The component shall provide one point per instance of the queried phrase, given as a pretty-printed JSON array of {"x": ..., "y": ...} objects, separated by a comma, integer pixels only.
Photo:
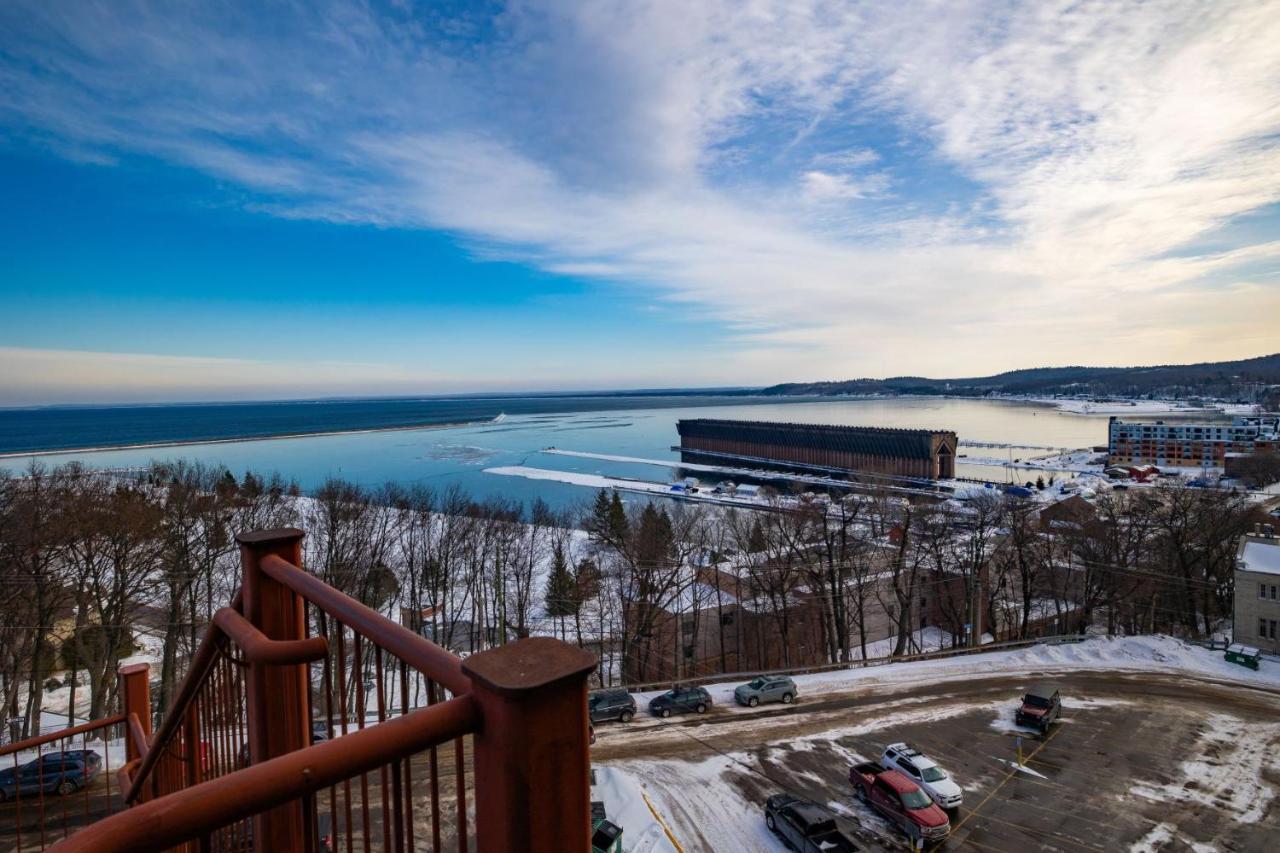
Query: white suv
[{"x": 924, "y": 772}]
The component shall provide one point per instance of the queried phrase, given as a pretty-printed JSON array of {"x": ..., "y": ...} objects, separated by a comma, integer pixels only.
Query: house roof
[
  {"x": 1260, "y": 555},
  {"x": 872, "y": 441}
]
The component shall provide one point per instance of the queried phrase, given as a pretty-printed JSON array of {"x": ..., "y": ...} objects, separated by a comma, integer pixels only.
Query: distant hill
[{"x": 1249, "y": 380}]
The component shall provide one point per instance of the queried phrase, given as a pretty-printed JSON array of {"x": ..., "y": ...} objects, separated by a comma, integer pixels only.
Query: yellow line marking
[
  {"x": 1010, "y": 775},
  {"x": 662, "y": 823}
]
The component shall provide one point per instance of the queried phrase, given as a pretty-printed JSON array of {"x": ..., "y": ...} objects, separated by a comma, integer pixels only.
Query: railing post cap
[
  {"x": 131, "y": 668},
  {"x": 267, "y": 537},
  {"x": 528, "y": 665}
]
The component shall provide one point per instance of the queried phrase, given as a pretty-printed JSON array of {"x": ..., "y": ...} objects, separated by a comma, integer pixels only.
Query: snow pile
[
  {"x": 1225, "y": 764},
  {"x": 691, "y": 798},
  {"x": 624, "y": 805}
]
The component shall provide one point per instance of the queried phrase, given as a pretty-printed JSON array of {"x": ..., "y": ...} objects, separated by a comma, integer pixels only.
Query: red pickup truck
[{"x": 900, "y": 801}]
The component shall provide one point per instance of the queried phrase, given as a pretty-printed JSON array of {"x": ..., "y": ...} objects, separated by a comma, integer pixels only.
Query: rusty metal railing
[
  {"x": 55, "y": 784},
  {"x": 308, "y": 721}
]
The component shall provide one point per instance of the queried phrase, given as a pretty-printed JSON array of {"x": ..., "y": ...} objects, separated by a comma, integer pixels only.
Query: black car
[
  {"x": 1040, "y": 707},
  {"x": 680, "y": 700},
  {"x": 611, "y": 705},
  {"x": 805, "y": 826}
]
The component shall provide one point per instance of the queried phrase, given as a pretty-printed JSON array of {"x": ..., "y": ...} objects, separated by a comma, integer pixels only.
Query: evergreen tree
[
  {"x": 597, "y": 523},
  {"x": 619, "y": 527},
  {"x": 561, "y": 596}
]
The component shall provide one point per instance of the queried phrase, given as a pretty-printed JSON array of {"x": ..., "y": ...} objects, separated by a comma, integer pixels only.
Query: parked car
[
  {"x": 615, "y": 704},
  {"x": 680, "y": 700},
  {"x": 900, "y": 801},
  {"x": 54, "y": 772},
  {"x": 766, "y": 688},
  {"x": 319, "y": 732},
  {"x": 922, "y": 770},
  {"x": 1040, "y": 708},
  {"x": 805, "y": 826}
]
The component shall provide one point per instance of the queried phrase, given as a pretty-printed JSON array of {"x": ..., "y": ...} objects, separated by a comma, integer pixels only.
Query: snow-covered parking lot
[{"x": 1162, "y": 746}]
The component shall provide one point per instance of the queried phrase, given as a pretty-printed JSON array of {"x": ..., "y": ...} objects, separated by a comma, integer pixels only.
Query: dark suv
[
  {"x": 611, "y": 705},
  {"x": 54, "y": 772},
  {"x": 1040, "y": 708},
  {"x": 680, "y": 700}
]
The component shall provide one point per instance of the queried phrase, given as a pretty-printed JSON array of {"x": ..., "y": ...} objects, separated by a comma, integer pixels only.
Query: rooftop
[
  {"x": 874, "y": 441},
  {"x": 1259, "y": 554}
]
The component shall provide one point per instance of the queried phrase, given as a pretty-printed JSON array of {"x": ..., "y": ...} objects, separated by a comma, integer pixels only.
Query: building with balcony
[{"x": 1190, "y": 444}]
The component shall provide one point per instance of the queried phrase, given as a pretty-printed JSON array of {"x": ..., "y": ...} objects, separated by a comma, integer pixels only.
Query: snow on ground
[
  {"x": 624, "y": 803},
  {"x": 1224, "y": 761},
  {"x": 1160, "y": 838},
  {"x": 1138, "y": 407},
  {"x": 690, "y": 795},
  {"x": 1110, "y": 654}
]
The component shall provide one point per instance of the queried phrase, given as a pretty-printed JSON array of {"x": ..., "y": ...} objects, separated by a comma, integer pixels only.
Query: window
[
  {"x": 1262, "y": 628},
  {"x": 1273, "y": 629},
  {"x": 726, "y": 619},
  {"x": 1262, "y": 590},
  {"x": 1273, "y": 592}
]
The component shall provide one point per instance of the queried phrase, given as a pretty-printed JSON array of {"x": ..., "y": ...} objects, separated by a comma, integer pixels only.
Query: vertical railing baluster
[
  {"x": 435, "y": 778},
  {"x": 406, "y": 769},
  {"x": 382, "y": 771},
  {"x": 342, "y": 705}
]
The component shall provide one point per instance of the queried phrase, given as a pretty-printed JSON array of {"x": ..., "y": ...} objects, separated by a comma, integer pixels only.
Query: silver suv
[{"x": 766, "y": 688}]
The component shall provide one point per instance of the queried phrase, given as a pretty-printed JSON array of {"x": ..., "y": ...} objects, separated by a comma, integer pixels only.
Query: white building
[{"x": 1257, "y": 590}]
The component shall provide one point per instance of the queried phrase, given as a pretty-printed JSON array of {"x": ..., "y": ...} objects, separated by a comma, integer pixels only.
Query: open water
[{"x": 640, "y": 426}]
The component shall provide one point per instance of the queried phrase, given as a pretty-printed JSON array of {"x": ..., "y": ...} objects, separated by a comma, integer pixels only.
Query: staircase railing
[
  {"x": 308, "y": 721},
  {"x": 55, "y": 784}
]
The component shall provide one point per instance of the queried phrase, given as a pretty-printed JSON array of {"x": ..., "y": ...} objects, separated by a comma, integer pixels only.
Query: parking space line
[{"x": 1007, "y": 777}]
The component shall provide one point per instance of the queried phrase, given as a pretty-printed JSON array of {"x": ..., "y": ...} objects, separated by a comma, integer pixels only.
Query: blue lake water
[{"x": 646, "y": 429}]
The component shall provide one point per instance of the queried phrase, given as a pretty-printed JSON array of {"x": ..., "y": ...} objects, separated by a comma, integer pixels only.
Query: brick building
[{"x": 926, "y": 454}]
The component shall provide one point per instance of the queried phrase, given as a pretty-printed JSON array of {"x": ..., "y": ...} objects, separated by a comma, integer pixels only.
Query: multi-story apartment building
[
  {"x": 1257, "y": 593},
  {"x": 1190, "y": 444}
]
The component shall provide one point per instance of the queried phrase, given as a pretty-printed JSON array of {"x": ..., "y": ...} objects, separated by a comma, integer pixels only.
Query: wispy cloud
[{"x": 932, "y": 187}]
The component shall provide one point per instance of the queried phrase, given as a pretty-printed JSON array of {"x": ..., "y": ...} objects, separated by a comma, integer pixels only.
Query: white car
[{"x": 922, "y": 770}]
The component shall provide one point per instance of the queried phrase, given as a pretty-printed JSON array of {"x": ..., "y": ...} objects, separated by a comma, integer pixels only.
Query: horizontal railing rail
[
  {"x": 417, "y": 651},
  {"x": 307, "y": 721},
  {"x": 51, "y": 796},
  {"x": 187, "y": 814}
]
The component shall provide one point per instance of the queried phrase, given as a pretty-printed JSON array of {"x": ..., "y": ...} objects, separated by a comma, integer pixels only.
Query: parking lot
[{"x": 1139, "y": 761}]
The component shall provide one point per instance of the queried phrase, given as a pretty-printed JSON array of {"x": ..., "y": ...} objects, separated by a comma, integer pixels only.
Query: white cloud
[{"x": 657, "y": 146}]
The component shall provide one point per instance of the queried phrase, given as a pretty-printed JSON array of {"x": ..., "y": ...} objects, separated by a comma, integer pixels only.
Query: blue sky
[{"x": 213, "y": 202}]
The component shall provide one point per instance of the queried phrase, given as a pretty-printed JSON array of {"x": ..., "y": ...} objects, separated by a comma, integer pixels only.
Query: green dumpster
[
  {"x": 606, "y": 837},
  {"x": 1243, "y": 655}
]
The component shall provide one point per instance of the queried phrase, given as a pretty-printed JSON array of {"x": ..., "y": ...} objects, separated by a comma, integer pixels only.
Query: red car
[{"x": 900, "y": 801}]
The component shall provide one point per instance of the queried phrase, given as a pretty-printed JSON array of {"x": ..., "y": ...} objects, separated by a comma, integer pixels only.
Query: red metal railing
[
  {"x": 417, "y": 750},
  {"x": 51, "y": 794}
]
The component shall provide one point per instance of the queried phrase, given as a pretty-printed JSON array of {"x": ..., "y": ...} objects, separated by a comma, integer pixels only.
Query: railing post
[
  {"x": 277, "y": 694},
  {"x": 135, "y": 698},
  {"x": 532, "y": 766}
]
